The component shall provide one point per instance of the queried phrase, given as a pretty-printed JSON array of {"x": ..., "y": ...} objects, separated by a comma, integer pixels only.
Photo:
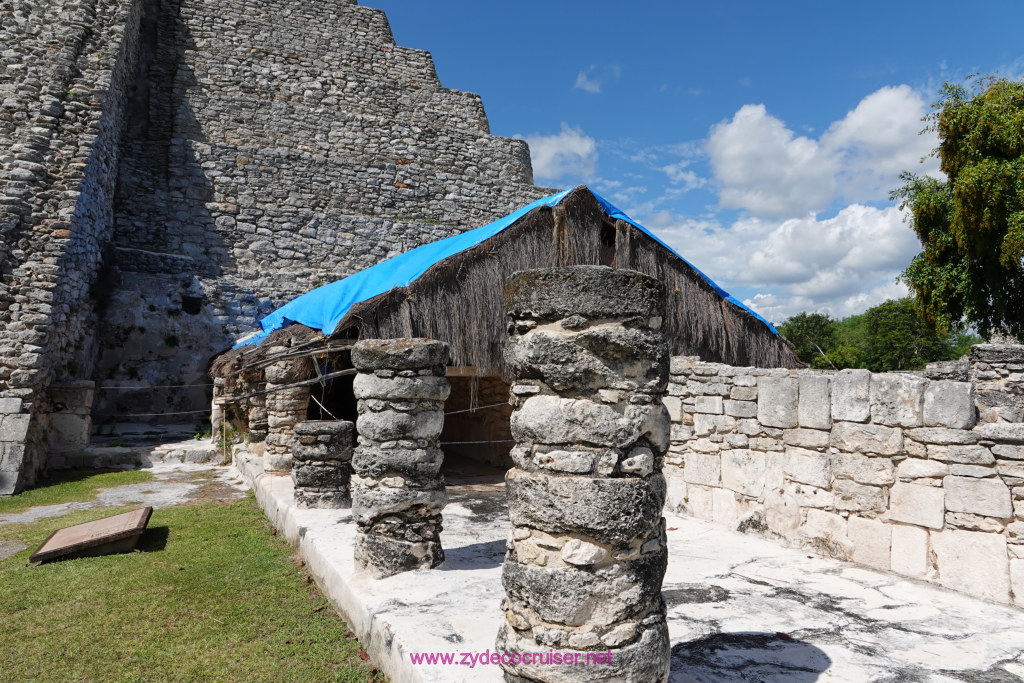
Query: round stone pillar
[
  {"x": 285, "y": 408},
  {"x": 587, "y": 554},
  {"x": 323, "y": 464},
  {"x": 397, "y": 487}
]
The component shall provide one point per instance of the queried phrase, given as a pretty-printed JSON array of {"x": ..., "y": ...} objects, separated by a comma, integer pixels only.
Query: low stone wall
[{"x": 889, "y": 470}]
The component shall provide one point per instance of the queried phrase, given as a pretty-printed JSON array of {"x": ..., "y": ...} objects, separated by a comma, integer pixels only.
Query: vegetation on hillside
[{"x": 890, "y": 336}]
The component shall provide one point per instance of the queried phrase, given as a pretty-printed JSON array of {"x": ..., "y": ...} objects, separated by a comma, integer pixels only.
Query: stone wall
[
  {"x": 67, "y": 67},
  {"x": 275, "y": 146},
  {"x": 891, "y": 470},
  {"x": 170, "y": 174}
]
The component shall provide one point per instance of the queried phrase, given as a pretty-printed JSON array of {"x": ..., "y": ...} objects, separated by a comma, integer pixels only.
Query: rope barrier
[
  {"x": 157, "y": 386},
  {"x": 460, "y": 443},
  {"x": 473, "y": 410},
  {"x": 184, "y": 412}
]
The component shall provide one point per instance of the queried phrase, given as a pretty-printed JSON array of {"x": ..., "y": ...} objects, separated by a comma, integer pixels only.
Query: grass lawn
[{"x": 211, "y": 594}]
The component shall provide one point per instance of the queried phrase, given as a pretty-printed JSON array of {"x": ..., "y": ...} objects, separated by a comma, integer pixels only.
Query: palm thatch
[{"x": 461, "y": 300}]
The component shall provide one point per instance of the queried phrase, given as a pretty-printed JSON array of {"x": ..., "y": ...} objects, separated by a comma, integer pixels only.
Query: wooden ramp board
[{"x": 115, "y": 534}]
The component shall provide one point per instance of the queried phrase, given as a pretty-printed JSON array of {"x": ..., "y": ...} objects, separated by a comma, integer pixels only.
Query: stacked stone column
[
  {"x": 323, "y": 464},
  {"x": 285, "y": 408},
  {"x": 587, "y": 554},
  {"x": 397, "y": 489}
]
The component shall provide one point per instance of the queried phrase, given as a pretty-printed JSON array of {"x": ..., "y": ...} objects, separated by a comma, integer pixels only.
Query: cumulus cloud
[
  {"x": 593, "y": 78},
  {"x": 760, "y": 165},
  {"x": 684, "y": 177},
  {"x": 840, "y": 265},
  {"x": 570, "y": 154}
]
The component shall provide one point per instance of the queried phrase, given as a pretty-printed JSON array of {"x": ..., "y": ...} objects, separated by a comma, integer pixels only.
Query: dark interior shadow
[
  {"x": 747, "y": 657},
  {"x": 153, "y": 539},
  {"x": 474, "y": 556}
]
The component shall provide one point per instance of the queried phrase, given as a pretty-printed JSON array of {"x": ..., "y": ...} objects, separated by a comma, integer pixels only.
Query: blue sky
[{"x": 759, "y": 139}]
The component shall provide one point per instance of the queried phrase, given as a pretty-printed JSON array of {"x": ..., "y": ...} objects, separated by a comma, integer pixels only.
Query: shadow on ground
[
  {"x": 747, "y": 657},
  {"x": 153, "y": 539},
  {"x": 474, "y": 556}
]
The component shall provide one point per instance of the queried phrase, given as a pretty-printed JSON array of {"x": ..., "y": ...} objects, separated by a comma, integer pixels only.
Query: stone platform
[{"x": 740, "y": 608}]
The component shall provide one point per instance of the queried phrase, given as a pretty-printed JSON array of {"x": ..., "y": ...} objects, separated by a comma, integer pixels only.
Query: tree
[
  {"x": 812, "y": 335},
  {"x": 972, "y": 223},
  {"x": 898, "y": 338}
]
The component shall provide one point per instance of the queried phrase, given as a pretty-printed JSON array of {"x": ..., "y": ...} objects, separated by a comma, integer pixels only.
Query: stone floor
[{"x": 740, "y": 608}]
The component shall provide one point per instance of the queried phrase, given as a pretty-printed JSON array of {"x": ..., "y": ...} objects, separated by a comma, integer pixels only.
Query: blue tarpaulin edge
[{"x": 324, "y": 307}]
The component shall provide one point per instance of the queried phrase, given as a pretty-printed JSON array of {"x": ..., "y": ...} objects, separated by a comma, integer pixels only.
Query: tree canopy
[
  {"x": 971, "y": 224},
  {"x": 890, "y": 336}
]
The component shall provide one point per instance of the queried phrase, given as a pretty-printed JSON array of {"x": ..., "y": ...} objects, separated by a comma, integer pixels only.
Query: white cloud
[
  {"x": 841, "y": 265},
  {"x": 593, "y": 78},
  {"x": 762, "y": 166},
  {"x": 679, "y": 174},
  {"x": 569, "y": 154}
]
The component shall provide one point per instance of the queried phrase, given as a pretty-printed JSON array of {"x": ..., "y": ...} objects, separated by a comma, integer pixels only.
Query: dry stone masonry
[
  {"x": 322, "y": 469},
  {"x": 286, "y": 407},
  {"x": 587, "y": 553},
  {"x": 170, "y": 174},
  {"x": 397, "y": 489},
  {"x": 916, "y": 473}
]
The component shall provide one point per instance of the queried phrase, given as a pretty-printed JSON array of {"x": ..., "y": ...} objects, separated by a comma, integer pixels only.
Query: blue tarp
[{"x": 324, "y": 307}]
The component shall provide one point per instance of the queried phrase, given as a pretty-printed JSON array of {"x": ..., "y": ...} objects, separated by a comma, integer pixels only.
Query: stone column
[
  {"x": 323, "y": 464},
  {"x": 285, "y": 409},
  {"x": 587, "y": 553},
  {"x": 397, "y": 489}
]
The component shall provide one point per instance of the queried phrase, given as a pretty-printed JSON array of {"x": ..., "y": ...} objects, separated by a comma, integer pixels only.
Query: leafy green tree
[
  {"x": 899, "y": 338},
  {"x": 812, "y": 335},
  {"x": 972, "y": 223}
]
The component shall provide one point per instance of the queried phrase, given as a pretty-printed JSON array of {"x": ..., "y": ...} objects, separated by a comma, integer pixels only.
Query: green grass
[
  {"x": 212, "y": 594},
  {"x": 71, "y": 487}
]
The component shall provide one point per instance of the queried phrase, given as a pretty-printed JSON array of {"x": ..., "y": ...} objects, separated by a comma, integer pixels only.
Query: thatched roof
[{"x": 461, "y": 299}]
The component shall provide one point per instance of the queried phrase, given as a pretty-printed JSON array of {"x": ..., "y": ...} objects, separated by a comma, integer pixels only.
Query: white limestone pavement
[{"x": 740, "y": 608}]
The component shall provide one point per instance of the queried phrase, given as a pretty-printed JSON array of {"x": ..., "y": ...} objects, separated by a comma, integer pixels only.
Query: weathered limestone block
[
  {"x": 950, "y": 404},
  {"x": 743, "y": 471},
  {"x": 826, "y": 532},
  {"x": 866, "y": 438},
  {"x": 943, "y": 436},
  {"x": 987, "y": 497},
  {"x": 872, "y": 541},
  {"x": 849, "y": 495},
  {"x": 909, "y": 550},
  {"x": 815, "y": 406},
  {"x": 972, "y": 562},
  {"x": 863, "y": 469},
  {"x": 916, "y": 468},
  {"x": 587, "y": 554},
  {"x": 805, "y": 438},
  {"x": 322, "y": 466},
  {"x": 916, "y": 504},
  {"x": 703, "y": 469},
  {"x": 965, "y": 455},
  {"x": 1007, "y": 432},
  {"x": 851, "y": 395},
  {"x": 741, "y": 409},
  {"x": 708, "y": 404},
  {"x": 777, "y": 401},
  {"x": 397, "y": 489},
  {"x": 897, "y": 400},
  {"x": 808, "y": 467}
]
